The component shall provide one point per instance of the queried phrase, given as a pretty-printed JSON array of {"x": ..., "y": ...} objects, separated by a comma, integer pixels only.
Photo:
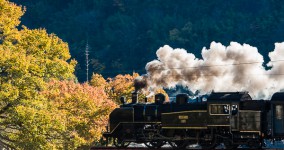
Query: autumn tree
[
  {"x": 82, "y": 110},
  {"x": 98, "y": 81},
  {"x": 121, "y": 85},
  {"x": 29, "y": 59}
]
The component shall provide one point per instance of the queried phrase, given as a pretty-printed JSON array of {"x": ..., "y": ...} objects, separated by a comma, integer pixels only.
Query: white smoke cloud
[{"x": 233, "y": 68}]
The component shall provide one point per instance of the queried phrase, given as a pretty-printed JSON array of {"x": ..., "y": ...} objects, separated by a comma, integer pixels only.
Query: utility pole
[{"x": 87, "y": 60}]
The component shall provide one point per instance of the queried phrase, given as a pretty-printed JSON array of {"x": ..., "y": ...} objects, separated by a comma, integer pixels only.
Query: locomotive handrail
[
  {"x": 185, "y": 111},
  {"x": 131, "y": 122}
]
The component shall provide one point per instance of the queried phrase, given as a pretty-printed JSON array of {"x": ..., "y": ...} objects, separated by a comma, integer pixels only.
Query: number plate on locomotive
[{"x": 183, "y": 117}]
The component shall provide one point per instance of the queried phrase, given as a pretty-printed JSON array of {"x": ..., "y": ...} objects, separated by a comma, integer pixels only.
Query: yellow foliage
[
  {"x": 98, "y": 81},
  {"x": 9, "y": 16},
  {"x": 121, "y": 85},
  {"x": 29, "y": 59}
]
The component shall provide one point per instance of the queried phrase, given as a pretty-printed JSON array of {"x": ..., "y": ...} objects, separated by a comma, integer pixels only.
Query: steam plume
[
  {"x": 233, "y": 68},
  {"x": 140, "y": 82}
]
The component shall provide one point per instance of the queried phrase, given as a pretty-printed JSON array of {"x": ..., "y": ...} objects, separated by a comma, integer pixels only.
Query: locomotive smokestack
[{"x": 134, "y": 97}]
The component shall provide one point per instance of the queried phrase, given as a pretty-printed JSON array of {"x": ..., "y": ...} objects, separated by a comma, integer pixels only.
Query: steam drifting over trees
[{"x": 233, "y": 68}]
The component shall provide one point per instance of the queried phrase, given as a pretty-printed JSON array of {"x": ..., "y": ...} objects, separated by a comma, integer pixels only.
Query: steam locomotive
[{"x": 231, "y": 118}]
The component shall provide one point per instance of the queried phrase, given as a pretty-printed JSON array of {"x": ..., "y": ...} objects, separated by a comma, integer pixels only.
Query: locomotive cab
[{"x": 223, "y": 104}]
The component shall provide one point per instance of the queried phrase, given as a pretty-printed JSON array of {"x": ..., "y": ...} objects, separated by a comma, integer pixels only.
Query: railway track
[
  {"x": 130, "y": 148},
  {"x": 194, "y": 147},
  {"x": 134, "y": 146},
  {"x": 165, "y": 148}
]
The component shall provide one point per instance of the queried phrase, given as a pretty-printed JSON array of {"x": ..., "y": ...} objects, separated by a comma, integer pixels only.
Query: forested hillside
[{"x": 123, "y": 35}]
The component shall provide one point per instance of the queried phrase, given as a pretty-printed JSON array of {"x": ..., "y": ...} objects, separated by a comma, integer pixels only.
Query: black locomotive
[{"x": 232, "y": 118}]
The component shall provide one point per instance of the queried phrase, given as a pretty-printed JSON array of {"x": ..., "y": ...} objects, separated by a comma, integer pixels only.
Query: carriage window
[
  {"x": 219, "y": 109},
  {"x": 279, "y": 111}
]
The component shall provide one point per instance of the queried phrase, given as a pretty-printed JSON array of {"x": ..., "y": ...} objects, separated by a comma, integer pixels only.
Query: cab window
[
  {"x": 220, "y": 109},
  {"x": 234, "y": 109},
  {"x": 279, "y": 111}
]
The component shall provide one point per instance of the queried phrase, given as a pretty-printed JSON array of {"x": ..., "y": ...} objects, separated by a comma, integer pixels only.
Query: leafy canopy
[
  {"x": 82, "y": 110},
  {"x": 29, "y": 118}
]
